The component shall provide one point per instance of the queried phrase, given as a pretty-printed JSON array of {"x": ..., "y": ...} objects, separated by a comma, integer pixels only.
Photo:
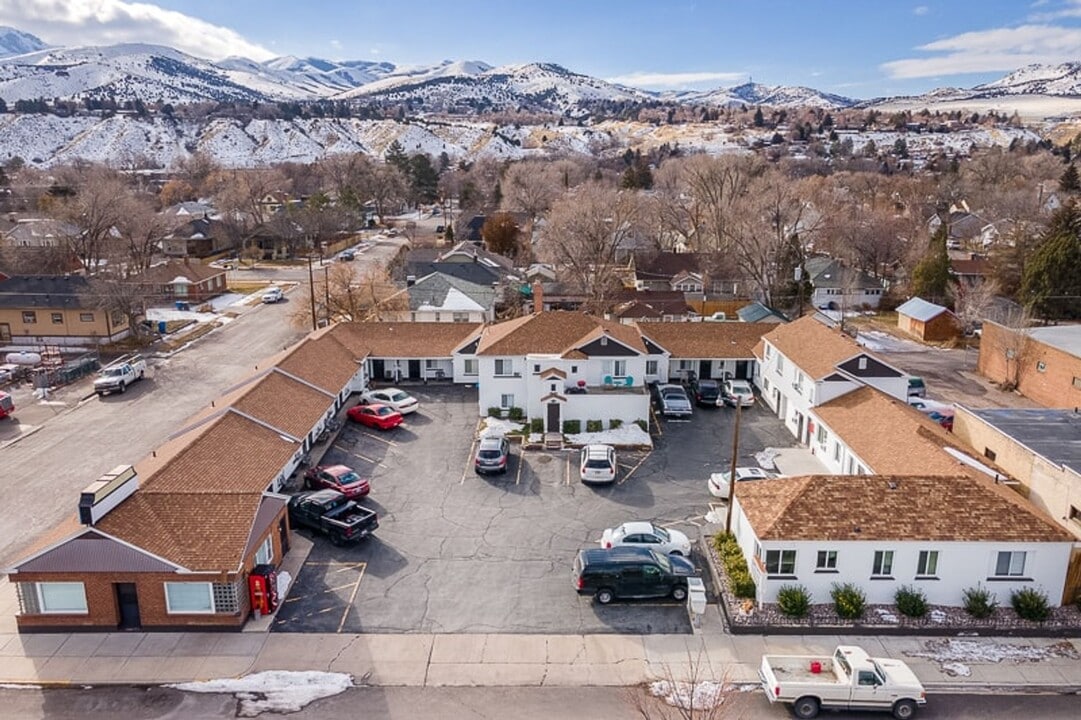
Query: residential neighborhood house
[{"x": 927, "y": 321}]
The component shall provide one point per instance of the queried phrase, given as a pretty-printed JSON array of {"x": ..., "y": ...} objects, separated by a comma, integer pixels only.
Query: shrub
[
  {"x": 642, "y": 424},
  {"x": 1031, "y": 604},
  {"x": 742, "y": 584},
  {"x": 794, "y": 600},
  {"x": 536, "y": 425},
  {"x": 615, "y": 423},
  {"x": 594, "y": 426},
  {"x": 910, "y": 601},
  {"x": 517, "y": 414},
  {"x": 572, "y": 427},
  {"x": 735, "y": 565},
  {"x": 848, "y": 601},
  {"x": 495, "y": 412},
  {"x": 978, "y": 602}
]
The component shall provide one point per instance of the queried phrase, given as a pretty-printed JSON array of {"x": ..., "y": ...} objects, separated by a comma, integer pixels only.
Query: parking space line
[
  {"x": 521, "y": 462},
  {"x": 368, "y": 459},
  {"x": 339, "y": 446},
  {"x": 567, "y": 471},
  {"x": 382, "y": 440},
  {"x": 468, "y": 461},
  {"x": 627, "y": 476},
  {"x": 656, "y": 422},
  {"x": 352, "y": 596}
]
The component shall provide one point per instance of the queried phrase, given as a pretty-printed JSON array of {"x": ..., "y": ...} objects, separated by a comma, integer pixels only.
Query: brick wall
[{"x": 1044, "y": 374}]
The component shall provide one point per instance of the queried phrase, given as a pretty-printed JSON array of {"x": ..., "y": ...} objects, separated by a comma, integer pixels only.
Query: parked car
[
  {"x": 737, "y": 392},
  {"x": 347, "y": 255},
  {"x": 847, "y": 680},
  {"x": 630, "y": 572},
  {"x": 342, "y": 478},
  {"x": 940, "y": 412},
  {"x": 706, "y": 393},
  {"x": 916, "y": 387},
  {"x": 719, "y": 482},
  {"x": 117, "y": 376},
  {"x": 493, "y": 454},
  {"x": 273, "y": 295},
  {"x": 376, "y": 415},
  {"x": 400, "y": 400},
  {"x": 646, "y": 534},
  {"x": 333, "y": 514},
  {"x": 674, "y": 401},
  {"x": 598, "y": 464}
]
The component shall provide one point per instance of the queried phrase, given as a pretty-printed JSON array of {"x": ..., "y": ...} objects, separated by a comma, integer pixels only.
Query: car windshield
[
  {"x": 399, "y": 397},
  {"x": 348, "y": 478},
  {"x": 113, "y": 372},
  {"x": 661, "y": 533},
  {"x": 384, "y": 410},
  {"x": 598, "y": 464},
  {"x": 741, "y": 387}
]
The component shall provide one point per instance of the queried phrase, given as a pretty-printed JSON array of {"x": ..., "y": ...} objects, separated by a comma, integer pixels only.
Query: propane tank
[{"x": 27, "y": 359}]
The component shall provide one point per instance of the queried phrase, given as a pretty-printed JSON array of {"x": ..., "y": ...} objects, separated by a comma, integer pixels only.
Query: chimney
[
  {"x": 108, "y": 491},
  {"x": 538, "y": 297}
]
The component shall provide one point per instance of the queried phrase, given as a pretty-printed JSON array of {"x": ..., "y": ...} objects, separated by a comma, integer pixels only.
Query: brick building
[{"x": 1044, "y": 364}]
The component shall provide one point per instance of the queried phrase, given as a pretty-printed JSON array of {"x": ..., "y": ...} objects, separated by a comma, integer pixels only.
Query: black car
[
  {"x": 706, "y": 393},
  {"x": 630, "y": 572}
]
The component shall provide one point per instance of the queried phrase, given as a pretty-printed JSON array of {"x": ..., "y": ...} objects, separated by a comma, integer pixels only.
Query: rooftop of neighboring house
[
  {"x": 974, "y": 265},
  {"x": 876, "y": 508},
  {"x": 36, "y": 260},
  {"x": 476, "y": 273},
  {"x": 188, "y": 209},
  {"x": 707, "y": 340},
  {"x": 45, "y": 292},
  {"x": 631, "y": 303},
  {"x": 167, "y": 272},
  {"x": 37, "y": 230},
  {"x": 1054, "y": 435},
  {"x": 194, "y": 229},
  {"x": 405, "y": 339},
  {"x": 758, "y": 312},
  {"x": 446, "y": 292},
  {"x": 919, "y": 309},
  {"x": 815, "y": 348},
  {"x": 892, "y": 437},
  {"x": 666, "y": 265},
  {"x": 471, "y": 252},
  {"x": 827, "y": 272},
  {"x": 1066, "y": 338},
  {"x": 554, "y": 332}
]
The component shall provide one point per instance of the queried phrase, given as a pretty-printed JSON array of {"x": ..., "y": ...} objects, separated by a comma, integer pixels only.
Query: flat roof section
[
  {"x": 1050, "y": 433},
  {"x": 1064, "y": 337}
]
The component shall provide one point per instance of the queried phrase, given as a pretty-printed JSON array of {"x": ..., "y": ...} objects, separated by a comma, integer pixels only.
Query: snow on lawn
[
  {"x": 222, "y": 302},
  {"x": 629, "y": 434},
  {"x": 764, "y": 458},
  {"x": 703, "y": 695},
  {"x": 886, "y": 616},
  {"x": 280, "y": 691},
  {"x": 878, "y": 341},
  {"x": 953, "y": 654},
  {"x": 491, "y": 426}
]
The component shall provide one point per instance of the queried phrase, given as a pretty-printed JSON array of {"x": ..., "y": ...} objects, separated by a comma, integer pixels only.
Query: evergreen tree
[
  {"x": 448, "y": 236},
  {"x": 759, "y": 119},
  {"x": 1051, "y": 283},
  {"x": 395, "y": 155},
  {"x": 931, "y": 277},
  {"x": 900, "y": 148},
  {"x": 423, "y": 178},
  {"x": 1069, "y": 182}
]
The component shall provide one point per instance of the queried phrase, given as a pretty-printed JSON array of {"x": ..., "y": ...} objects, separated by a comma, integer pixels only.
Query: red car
[
  {"x": 342, "y": 478},
  {"x": 375, "y": 415}
]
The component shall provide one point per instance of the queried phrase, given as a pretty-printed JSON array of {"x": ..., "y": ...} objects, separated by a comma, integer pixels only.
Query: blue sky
[{"x": 859, "y": 48}]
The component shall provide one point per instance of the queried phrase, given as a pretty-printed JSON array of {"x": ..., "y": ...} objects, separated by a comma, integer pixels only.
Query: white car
[
  {"x": 272, "y": 295},
  {"x": 400, "y": 400},
  {"x": 719, "y": 482},
  {"x": 598, "y": 464},
  {"x": 737, "y": 392},
  {"x": 645, "y": 534}
]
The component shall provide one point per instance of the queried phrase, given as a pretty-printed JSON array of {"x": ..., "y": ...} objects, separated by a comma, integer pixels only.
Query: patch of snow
[
  {"x": 957, "y": 651},
  {"x": 765, "y": 458},
  {"x": 284, "y": 581},
  {"x": 223, "y": 301},
  {"x": 938, "y": 616},
  {"x": 168, "y": 315},
  {"x": 715, "y": 517},
  {"x": 282, "y": 691},
  {"x": 886, "y": 616},
  {"x": 703, "y": 695},
  {"x": 878, "y": 341},
  {"x": 629, "y": 434},
  {"x": 17, "y": 686},
  {"x": 956, "y": 669},
  {"x": 494, "y": 427}
]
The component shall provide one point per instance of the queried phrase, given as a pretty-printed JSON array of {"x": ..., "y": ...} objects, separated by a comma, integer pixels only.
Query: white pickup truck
[
  {"x": 117, "y": 376},
  {"x": 849, "y": 680}
]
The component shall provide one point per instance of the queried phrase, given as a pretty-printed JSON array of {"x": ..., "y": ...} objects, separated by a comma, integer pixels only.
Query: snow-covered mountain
[
  {"x": 17, "y": 42},
  {"x": 1064, "y": 79},
  {"x": 783, "y": 96}
]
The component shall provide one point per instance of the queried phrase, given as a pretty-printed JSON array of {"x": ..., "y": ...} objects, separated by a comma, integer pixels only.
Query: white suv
[{"x": 598, "y": 464}]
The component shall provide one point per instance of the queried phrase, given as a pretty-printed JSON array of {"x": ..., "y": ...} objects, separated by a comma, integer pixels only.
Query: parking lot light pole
[{"x": 732, "y": 468}]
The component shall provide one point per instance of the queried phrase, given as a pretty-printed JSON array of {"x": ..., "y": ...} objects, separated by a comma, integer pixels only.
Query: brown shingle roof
[
  {"x": 892, "y": 437},
  {"x": 285, "y": 403},
  {"x": 813, "y": 347},
  {"x": 169, "y": 271},
  {"x": 735, "y": 340},
  {"x": 404, "y": 339},
  {"x": 323, "y": 361},
  {"x": 883, "y": 507},
  {"x": 554, "y": 332}
]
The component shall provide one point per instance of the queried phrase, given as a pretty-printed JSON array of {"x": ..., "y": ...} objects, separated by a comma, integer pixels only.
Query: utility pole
[
  {"x": 732, "y": 468},
  {"x": 326, "y": 290},
  {"x": 311, "y": 288}
]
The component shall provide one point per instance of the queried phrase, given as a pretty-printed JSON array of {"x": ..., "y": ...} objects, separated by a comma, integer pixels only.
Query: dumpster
[{"x": 181, "y": 305}]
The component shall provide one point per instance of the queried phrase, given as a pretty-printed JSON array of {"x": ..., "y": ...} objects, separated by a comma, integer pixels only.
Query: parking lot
[{"x": 457, "y": 552}]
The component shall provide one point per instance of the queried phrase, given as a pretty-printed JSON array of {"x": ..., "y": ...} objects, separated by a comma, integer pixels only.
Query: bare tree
[
  {"x": 530, "y": 186},
  {"x": 688, "y": 693},
  {"x": 1011, "y": 338},
  {"x": 141, "y": 230},
  {"x": 972, "y": 301},
  {"x": 341, "y": 296},
  {"x": 94, "y": 203}
]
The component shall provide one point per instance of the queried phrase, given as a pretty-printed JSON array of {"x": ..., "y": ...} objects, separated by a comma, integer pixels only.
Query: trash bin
[
  {"x": 161, "y": 326},
  {"x": 181, "y": 305}
]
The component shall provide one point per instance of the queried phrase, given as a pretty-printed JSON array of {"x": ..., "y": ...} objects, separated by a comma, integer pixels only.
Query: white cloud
[
  {"x": 675, "y": 80},
  {"x": 1072, "y": 9},
  {"x": 1002, "y": 49},
  {"x": 921, "y": 10},
  {"x": 107, "y": 22}
]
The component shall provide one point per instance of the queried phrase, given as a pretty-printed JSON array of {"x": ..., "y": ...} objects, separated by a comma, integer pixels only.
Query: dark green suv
[{"x": 630, "y": 572}]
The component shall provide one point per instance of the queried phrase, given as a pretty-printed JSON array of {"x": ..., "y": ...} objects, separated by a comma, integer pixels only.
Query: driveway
[{"x": 456, "y": 552}]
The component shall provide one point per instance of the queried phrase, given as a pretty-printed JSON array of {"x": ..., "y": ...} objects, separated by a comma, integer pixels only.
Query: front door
[
  {"x": 414, "y": 369},
  {"x": 127, "y": 599},
  {"x": 283, "y": 535},
  {"x": 5, "y": 332},
  {"x": 378, "y": 370},
  {"x": 553, "y": 418},
  {"x": 705, "y": 369},
  {"x": 743, "y": 370}
]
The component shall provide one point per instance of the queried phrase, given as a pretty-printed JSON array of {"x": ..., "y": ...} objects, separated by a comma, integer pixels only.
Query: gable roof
[
  {"x": 165, "y": 273},
  {"x": 827, "y": 272},
  {"x": 702, "y": 340},
  {"x": 322, "y": 360},
  {"x": 284, "y": 402},
  {"x": 476, "y": 273},
  {"x": 813, "y": 347},
  {"x": 438, "y": 291},
  {"x": 975, "y": 266},
  {"x": 893, "y": 507},
  {"x": 44, "y": 291},
  {"x": 554, "y": 332},
  {"x": 404, "y": 339},
  {"x": 90, "y": 550},
  {"x": 892, "y": 437},
  {"x": 919, "y": 309},
  {"x": 471, "y": 252},
  {"x": 666, "y": 265},
  {"x": 757, "y": 312}
]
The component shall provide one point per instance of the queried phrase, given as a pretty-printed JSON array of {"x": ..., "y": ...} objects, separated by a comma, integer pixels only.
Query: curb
[{"x": 952, "y": 688}]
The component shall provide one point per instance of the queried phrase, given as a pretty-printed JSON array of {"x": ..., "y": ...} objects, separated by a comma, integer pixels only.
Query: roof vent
[
  {"x": 108, "y": 491},
  {"x": 892, "y": 484}
]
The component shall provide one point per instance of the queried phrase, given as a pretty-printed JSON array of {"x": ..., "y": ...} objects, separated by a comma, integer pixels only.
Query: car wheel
[
  {"x": 904, "y": 709},
  {"x": 677, "y": 553},
  {"x": 805, "y": 707},
  {"x": 605, "y": 596},
  {"x": 679, "y": 593},
  {"x": 335, "y": 540},
  {"x": 123, "y": 387}
]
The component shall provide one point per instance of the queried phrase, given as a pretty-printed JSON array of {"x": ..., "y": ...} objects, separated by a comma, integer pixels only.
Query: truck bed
[{"x": 797, "y": 668}]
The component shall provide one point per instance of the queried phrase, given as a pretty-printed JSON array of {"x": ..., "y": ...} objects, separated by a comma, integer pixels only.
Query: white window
[
  {"x": 883, "y": 563},
  {"x": 265, "y": 553},
  {"x": 504, "y": 367},
  {"x": 188, "y": 597},
  {"x": 780, "y": 364},
  {"x": 769, "y": 351},
  {"x": 460, "y": 317},
  {"x": 431, "y": 364},
  {"x": 506, "y": 401},
  {"x": 821, "y": 436},
  {"x": 1010, "y": 564},
  {"x": 615, "y": 368},
  {"x": 470, "y": 367},
  {"x": 827, "y": 561},
  {"x": 780, "y": 562},
  {"x": 927, "y": 564},
  {"x": 651, "y": 367},
  {"x": 62, "y": 597},
  {"x": 798, "y": 384}
]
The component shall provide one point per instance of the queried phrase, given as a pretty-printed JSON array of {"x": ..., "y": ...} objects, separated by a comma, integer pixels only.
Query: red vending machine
[{"x": 263, "y": 587}]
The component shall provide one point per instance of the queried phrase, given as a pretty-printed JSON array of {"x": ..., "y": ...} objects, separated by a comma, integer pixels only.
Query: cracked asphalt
[{"x": 460, "y": 553}]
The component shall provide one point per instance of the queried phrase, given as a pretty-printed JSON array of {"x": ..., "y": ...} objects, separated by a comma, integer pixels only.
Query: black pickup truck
[{"x": 331, "y": 513}]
